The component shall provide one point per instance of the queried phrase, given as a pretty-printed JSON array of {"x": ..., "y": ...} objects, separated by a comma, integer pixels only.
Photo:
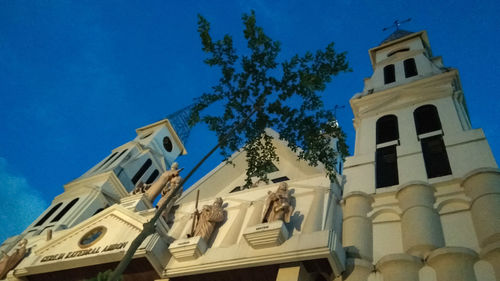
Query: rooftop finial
[{"x": 396, "y": 24}]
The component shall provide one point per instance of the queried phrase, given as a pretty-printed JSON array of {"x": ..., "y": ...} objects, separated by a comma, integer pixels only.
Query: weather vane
[
  {"x": 335, "y": 109},
  {"x": 396, "y": 24}
]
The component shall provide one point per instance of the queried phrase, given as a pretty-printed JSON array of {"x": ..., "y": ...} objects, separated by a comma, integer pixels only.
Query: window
[
  {"x": 387, "y": 129},
  {"x": 167, "y": 144},
  {"x": 410, "y": 68},
  {"x": 386, "y": 166},
  {"x": 433, "y": 148},
  {"x": 49, "y": 214},
  {"x": 118, "y": 157},
  {"x": 386, "y": 160},
  {"x": 435, "y": 157},
  {"x": 389, "y": 74},
  {"x": 65, "y": 210},
  {"x": 141, "y": 171},
  {"x": 426, "y": 119},
  {"x": 107, "y": 160},
  {"x": 280, "y": 179},
  {"x": 153, "y": 176}
]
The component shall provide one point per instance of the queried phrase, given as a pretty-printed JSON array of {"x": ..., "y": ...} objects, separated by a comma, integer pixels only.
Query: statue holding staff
[{"x": 208, "y": 217}]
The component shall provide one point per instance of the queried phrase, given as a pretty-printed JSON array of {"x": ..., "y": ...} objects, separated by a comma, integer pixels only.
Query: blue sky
[{"x": 78, "y": 77}]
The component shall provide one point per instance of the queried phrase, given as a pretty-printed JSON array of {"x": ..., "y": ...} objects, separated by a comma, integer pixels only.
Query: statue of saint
[
  {"x": 7, "y": 263},
  {"x": 168, "y": 190},
  {"x": 208, "y": 218},
  {"x": 141, "y": 187},
  {"x": 277, "y": 206},
  {"x": 155, "y": 189}
]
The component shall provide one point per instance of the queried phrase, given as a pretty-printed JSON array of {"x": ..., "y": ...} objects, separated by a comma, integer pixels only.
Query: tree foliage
[{"x": 283, "y": 95}]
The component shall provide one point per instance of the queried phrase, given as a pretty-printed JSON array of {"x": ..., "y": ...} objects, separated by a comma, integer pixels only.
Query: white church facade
[{"x": 419, "y": 199}]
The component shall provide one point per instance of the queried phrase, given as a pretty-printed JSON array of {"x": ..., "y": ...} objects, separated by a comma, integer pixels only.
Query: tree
[
  {"x": 253, "y": 99},
  {"x": 284, "y": 96}
]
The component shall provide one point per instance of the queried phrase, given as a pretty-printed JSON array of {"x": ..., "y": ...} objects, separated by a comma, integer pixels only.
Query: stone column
[
  {"x": 397, "y": 267},
  {"x": 357, "y": 270},
  {"x": 491, "y": 254},
  {"x": 357, "y": 227},
  {"x": 295, "y": 272},
  {"x": 483, "y": 187},
  {"x": 453, "y": 264},
  {"x": 420, "y": 224}
]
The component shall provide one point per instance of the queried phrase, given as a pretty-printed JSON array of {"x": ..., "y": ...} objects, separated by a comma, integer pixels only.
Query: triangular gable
[
  {"x": 227, "y": 176},
  {"x": 113, "y": 230}
]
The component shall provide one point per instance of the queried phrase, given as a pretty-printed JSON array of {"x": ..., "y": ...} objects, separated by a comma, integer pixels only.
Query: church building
[{"x": 419, "y": 200}]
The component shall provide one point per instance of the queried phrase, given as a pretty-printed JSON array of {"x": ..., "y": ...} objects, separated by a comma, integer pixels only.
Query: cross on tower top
[{"x": 396, "y": 24}]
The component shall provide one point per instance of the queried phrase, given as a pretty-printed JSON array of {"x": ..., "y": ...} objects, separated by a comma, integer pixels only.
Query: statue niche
[
  {"x": 207, "y": 219},
  {"x": 7, "y": 263},
  {"x": 277, "y": 206}
]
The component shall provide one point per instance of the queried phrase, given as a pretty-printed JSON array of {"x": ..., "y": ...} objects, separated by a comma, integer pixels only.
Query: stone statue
[
  {"x": 155, "y": 189},
  {"x": 208, "y": 218},
  {"x": 277, "y": 206},
  {"x": 168, "y": 190},
  {"x": 141, "y": 187},
  {"x": 7, "y": 263}
]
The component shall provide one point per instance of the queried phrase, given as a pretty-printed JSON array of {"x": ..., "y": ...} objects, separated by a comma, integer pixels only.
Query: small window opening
[
  {"x": 65, "y": 210},
  {"x": 389, "y": 74},
  {"x": 107, "y": 160},
  {"x": 167, "y": 144},
  {"x": 49, "y": 214},
  {"x": 435, "y": 157},
  {"x": 410, "y": 68},
  {"x": 426, "y": 119},
  {"x": 386, "y": 167},
  {"x": 280, "y": 179},
  {"x": 118, "y": 157},
  {"x": 236, "y": 189},
  {"x": 141, "y": 171},
  {"x": 153, "y": 176},
  {"x": 387, "y": 129}
]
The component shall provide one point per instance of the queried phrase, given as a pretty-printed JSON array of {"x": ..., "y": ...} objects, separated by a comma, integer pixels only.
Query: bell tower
[
  {"x": 143, "y": 159},
  {"x": 422, "y": 192}
]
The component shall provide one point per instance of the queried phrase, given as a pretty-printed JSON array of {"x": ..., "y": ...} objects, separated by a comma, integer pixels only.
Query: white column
[
  {"x": 483, "y": 187},
  {"x": 453, "y": 264},
  {"x": 398, "y": 267},
  {"x": 420, "y": 224},
  {"x": 357, "y": 227}
]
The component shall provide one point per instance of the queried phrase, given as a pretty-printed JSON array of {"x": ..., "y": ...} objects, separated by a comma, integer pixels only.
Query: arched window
[
  {"x": 426, "y": 119},
  {"x": 141, "y": 171},
  {"x": 386, "y": 160},
  {"x": 389, "y": 74},
  {"x": 387, "y": 129},
  {"x": 410, "y": 68},
  {"x": 153, "y": 176},
  {"x": 48, "y": 214},
  {"x": 430, "y": 135},
  {"x": 107, "y": 160},
  {"x": 118, "y": 157},
  {"x": 65, "y": 210}
]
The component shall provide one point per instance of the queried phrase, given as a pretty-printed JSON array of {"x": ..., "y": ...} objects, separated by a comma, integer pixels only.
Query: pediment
[
  {"x": 104, "y": 237},
  {"x": 228, "y": 176}
]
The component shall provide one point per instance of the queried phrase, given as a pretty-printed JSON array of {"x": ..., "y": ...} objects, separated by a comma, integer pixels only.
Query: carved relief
[
  {"x": 277, "y": 206},
  {"x": 7, "y": 263}
]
